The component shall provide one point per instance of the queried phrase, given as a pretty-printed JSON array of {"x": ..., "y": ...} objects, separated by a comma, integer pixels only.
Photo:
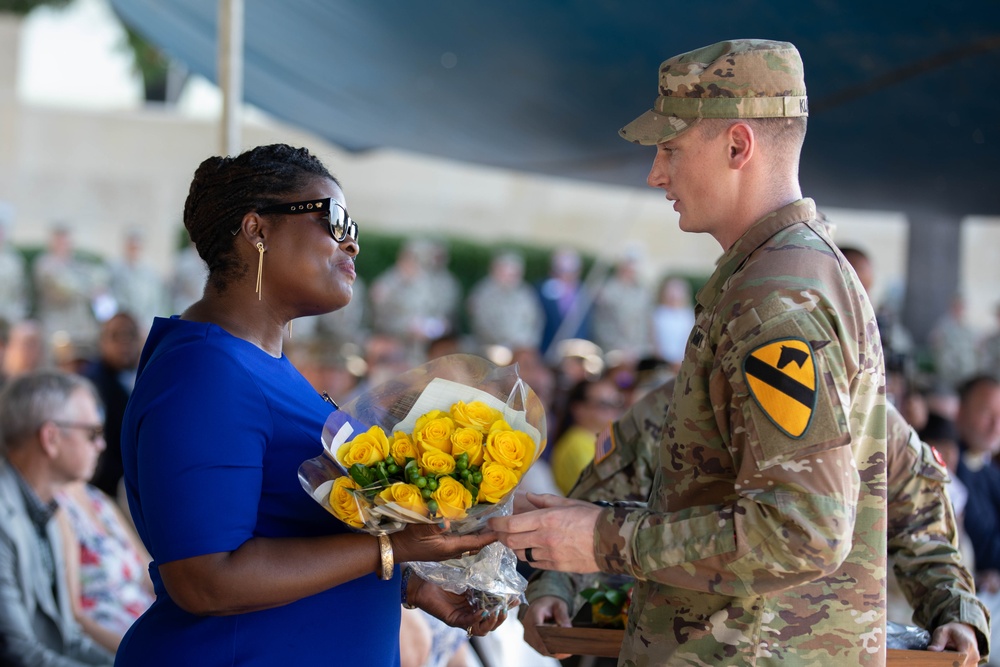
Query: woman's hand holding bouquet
[{"x": 445, "y": 444}]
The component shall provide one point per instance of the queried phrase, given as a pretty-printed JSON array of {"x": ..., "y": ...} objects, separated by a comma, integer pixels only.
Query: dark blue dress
[{"x": 213, "y": 437}]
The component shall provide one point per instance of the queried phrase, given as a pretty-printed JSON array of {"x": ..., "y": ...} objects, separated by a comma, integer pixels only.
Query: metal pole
[{"x": 231, "y": 72}]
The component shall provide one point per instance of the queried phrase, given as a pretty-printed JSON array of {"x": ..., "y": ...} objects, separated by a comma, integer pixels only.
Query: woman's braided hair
[{"x": 225, "y": 189}]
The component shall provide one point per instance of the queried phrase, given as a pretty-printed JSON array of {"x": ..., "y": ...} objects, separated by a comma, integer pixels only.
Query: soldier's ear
[{"x": 741, "y": 144}]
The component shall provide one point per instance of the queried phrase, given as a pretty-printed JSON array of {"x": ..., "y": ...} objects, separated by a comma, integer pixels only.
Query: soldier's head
[
  {"x": 729, "y": 120},
  {"x": 979, "y": 414}
]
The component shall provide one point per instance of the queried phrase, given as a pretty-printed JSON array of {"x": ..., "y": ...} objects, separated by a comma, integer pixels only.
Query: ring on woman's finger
[
  {"x": 528, "y": 555},
  {"x": 468, "y": 632}
]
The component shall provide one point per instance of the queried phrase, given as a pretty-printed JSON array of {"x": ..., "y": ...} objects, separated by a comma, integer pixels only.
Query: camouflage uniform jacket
[
  {"x": 764, "y": 538},
  {"x": 923, "y": 536},
  {"x": 922, "y": 533}
]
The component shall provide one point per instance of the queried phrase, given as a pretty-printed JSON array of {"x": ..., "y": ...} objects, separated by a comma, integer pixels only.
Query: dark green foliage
[{"x": 22, "y": 7}]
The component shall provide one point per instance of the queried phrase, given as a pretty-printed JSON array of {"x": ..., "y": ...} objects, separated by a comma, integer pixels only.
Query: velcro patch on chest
[{"x": 781, "y": 375}]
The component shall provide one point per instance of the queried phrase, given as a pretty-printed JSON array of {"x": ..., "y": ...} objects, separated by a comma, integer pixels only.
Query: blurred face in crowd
[
  {"x": 79, "y": 439},
  {"x": 120, "y": 342},
  {"x": 602, "y": 405},
  {"x": 979, "y": 419}
]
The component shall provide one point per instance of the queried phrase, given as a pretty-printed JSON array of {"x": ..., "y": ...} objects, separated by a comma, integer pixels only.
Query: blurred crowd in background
[{"x": 588, "y": 344}]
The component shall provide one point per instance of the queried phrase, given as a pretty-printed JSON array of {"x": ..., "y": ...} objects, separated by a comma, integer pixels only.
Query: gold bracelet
[{"x": 385, "y": 555}]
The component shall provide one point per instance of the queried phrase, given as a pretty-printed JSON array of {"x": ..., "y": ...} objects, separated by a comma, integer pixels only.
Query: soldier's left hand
[
  {"x": 559, "y": 535},
  {"x": 956, "y": 637}
]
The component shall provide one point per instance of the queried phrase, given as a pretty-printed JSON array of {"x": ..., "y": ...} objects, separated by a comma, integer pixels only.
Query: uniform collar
[{"x": 755, "y": 236}]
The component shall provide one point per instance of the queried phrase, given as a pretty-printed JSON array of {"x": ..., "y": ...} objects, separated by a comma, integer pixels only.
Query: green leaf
[
  {"x": 609, "y": 609},
  {"x": 361, "y": 475},
  {"x": 615, "y": 597}
]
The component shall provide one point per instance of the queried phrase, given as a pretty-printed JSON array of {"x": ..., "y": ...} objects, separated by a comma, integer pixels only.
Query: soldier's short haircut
[
  {"x": 784, "y": 134},
  {"x": 30, "y": 400},
  {"x": 225, "y": 189}
]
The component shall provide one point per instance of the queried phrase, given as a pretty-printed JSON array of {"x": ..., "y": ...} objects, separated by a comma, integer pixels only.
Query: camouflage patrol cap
[{"x": 741, "y": 78}]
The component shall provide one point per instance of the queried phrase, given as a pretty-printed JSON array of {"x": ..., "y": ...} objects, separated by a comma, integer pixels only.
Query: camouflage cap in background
[{"x": 741, "y": 78}]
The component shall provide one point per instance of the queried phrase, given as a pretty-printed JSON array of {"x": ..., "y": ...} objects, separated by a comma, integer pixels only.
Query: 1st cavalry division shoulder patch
[{"x": 781, "y": 376}]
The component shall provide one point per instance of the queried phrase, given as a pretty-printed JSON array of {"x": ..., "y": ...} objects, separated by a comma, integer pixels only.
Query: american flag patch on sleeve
[{"x": 605, "y": 444}]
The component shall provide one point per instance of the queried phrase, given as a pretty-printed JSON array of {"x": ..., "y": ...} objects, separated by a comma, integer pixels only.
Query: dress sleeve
[{"x": 202, "y": 433}]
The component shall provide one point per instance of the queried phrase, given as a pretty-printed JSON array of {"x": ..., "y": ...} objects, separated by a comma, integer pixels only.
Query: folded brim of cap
[{"x": 652, "y": 128}]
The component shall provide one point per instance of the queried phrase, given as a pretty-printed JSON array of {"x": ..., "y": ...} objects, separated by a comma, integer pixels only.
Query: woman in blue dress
[{"x": 248, "y": 569}]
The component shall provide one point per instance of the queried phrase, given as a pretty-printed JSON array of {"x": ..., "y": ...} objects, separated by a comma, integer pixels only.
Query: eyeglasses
[
  {"x": 341, "y": 225},
  {"x": 94, "y": 431}
]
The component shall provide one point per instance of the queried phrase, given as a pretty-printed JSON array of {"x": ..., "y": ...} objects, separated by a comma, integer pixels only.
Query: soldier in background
[
  {"x": 405, "y": 302},
  {"x": 621, "y": 310},
  {"x": 13, "y": 285},
  {"x": 922, "y": 530},
  {"x": 503, "y": 309},
  {"x": 136, "y": 286},
  {"x": 65, "y": 288},
  {"x": 953, "y": 346},
  {"x": 770, "y": 488}
]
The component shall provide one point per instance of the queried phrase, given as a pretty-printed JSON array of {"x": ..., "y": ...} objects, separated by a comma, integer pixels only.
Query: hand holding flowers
[
  {"x": 450, "y": 462},
  {"x": 446, "y": 444}
]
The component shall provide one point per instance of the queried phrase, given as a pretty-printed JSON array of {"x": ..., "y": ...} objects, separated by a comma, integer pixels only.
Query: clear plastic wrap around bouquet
[{"x": 447, "y": 442}]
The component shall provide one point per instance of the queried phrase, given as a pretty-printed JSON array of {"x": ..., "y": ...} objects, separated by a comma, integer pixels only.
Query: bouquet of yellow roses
[{"x": 448, "y": 441}]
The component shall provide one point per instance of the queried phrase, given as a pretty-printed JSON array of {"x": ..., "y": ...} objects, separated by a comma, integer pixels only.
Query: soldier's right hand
[{"x": 546, "y": 610}]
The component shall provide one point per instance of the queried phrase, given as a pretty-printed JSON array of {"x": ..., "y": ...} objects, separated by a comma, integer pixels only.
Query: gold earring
[{"x": 260, "y": 270}]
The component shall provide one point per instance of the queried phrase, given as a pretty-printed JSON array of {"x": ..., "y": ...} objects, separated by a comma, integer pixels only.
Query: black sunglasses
[{"x": 340, "y": 223}]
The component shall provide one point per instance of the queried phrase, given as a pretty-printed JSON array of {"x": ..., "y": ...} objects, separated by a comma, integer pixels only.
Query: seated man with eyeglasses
[{"x": 52, "y": 435}]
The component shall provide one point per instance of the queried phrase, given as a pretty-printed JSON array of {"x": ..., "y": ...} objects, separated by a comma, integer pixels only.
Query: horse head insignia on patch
[{"x": 781, "y": 376}]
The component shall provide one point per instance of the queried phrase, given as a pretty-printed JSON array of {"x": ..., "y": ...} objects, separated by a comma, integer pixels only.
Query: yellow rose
[
  {"x": 452, "y": 498},
  {"x": 467, "y": 440},
  {"x": 426, "y": 417},
  {"x": 475, "y": 415},
  {"x": 434, "y": 431},
  {"x": 402, "y": 448},
  {"x": 498, "y": 480},
  {"x": 367, "y": 449},
  {"x": 406, "y": 496},
  {"x": 435, "y": 462},
  {"x": 347, "y": 506},
  {"x": 514, "y": 449}
]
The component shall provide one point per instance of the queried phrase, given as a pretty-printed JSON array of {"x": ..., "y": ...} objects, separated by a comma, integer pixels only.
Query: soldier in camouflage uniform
[
  {"x": 763, "y": 540},
  {"x": 922, "y": 533}
]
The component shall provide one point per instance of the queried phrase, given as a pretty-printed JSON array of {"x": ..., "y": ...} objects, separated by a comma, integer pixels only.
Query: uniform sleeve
[
  {"x": 923, "y": 539},
  {"x": 787, "y": 395},
  {"x": 202, "y": 432}
]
